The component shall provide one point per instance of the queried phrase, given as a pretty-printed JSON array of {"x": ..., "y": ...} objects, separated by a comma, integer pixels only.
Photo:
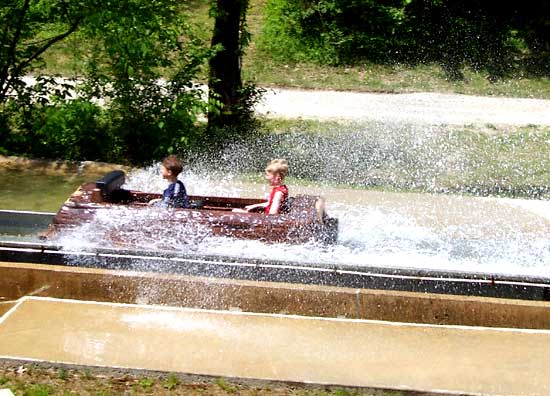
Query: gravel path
[
  {"x": 420, "y": 108},
  {"x": 429, "y": 108}
]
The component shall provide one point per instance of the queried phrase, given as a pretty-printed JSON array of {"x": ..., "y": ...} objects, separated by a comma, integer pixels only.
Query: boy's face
[
  {"x": 274, "y": 179},
  {"x": 165, "y": 172}
]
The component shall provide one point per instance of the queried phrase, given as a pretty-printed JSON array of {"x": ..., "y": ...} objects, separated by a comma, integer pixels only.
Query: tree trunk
[{"x": 225, "y": 80}]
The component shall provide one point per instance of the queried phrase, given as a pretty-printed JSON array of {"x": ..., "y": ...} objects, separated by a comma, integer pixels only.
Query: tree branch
[
  {"x": 47, "y": 45},
  {"x": 10, "y": 59}
]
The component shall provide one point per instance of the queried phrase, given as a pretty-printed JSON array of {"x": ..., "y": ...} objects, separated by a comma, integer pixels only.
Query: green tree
[
  {"x": 24, "y": 38},
  {"x": 332, "y": 31},
  {"x": 143, "y": 68},
  {"x": 138, "y": 97},
  {"x": 485, "y": 35}
]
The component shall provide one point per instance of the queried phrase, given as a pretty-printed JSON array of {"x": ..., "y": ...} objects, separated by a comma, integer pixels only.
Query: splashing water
[
  {"x": 150, "y": 179},
  {"x": 376, "y": 229}
]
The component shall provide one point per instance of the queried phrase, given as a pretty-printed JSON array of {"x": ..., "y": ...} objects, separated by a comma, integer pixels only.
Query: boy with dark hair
[{"x": 175, "y": 196}]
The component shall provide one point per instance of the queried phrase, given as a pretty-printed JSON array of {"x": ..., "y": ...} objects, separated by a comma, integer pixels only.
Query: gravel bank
[{"x": 421, "y": 107}]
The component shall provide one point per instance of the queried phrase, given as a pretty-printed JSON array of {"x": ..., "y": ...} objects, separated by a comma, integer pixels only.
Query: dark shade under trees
[{"x": 486, "y": 35}]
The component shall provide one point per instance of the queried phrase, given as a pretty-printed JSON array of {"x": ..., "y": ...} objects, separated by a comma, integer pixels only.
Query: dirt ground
[
  {"x": 58, "y": 380},
  {"x": 420, "y": 107}
]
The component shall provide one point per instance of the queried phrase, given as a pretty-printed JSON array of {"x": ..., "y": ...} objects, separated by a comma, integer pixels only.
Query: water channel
[
  {"x": 388, "y": 229},
  {"x": 377, "y": 228}
]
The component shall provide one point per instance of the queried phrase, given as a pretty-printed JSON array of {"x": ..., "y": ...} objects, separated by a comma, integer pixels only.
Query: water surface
[{"x": 385, "y": 229}]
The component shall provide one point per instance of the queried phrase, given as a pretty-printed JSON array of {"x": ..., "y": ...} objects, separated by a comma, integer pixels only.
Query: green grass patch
[
  {"x": 39, "y": 390},
  {"x": 45, "y": 382},
  {"x": 146, "y": 382},
  {"x": 386, "y": 78},
  {"x": 225, "y": 386},
  {"x": 478, "y": 160},
  {"x": 171, "y": 382}
]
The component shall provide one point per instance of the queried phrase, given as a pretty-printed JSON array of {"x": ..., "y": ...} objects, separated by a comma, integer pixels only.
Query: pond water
[{"x": 36, "y": 190}]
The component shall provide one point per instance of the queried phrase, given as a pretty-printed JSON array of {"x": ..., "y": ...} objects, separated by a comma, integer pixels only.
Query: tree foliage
[
  {"x": 484, "y": 34},
  {"x": 124, "y": 103},
  {"x": 29, "y": 28},
  {"x": 144, "y": 66}
]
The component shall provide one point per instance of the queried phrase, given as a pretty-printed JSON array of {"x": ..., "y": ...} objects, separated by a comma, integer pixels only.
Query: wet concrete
[
  {"x": 5, "y": 306},
  {"x": 454, "y": 359}
]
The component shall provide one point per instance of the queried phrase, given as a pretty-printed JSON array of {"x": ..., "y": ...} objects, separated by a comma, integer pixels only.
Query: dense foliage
[
  {"x": 29, "y": 28},
  {"x": 484, "y": 35},
  {"x": 137, "y": 100},
  {"x": 143, "y": 69}
]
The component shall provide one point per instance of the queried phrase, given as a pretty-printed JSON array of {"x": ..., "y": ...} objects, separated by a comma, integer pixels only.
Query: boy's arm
[
  {"x": 258, "y": 205},
  {"x": 277, "y": 198},
  {"x": 154, "y": 201},
  {"x": 250, "y": 208}
]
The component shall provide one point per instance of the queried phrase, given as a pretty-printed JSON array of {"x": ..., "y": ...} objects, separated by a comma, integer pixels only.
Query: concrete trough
[
  {"x": 228, "y": 267},
  {"x": 18, "y": 222},
  {"x": 408, "y": 357},
  {"x": 19, "y": 279},
  {"x": 263, "y": 321}
]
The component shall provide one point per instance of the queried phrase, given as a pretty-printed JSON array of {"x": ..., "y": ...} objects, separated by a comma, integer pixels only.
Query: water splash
[
  {"x": 202, "y": 183},
  {"x": 391, "y": 230},
  {"x": 385, "y": 233},
  {"x": 122, "y": 227}
]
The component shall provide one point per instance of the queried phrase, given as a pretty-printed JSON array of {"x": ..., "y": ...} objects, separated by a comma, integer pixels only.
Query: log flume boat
[{"x": 303, "y": 220}]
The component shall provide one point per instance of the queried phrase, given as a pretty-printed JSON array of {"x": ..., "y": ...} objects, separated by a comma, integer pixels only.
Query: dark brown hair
[{"x": 173, "y": 164}]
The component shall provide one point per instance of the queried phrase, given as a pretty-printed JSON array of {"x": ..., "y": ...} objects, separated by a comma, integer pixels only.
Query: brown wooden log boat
[{"x": 303, "y": 220}]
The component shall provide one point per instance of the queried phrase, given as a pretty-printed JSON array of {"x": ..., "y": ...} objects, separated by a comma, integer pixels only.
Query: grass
[
  {"x": 386, "y": 78},
  {"x": 67, "y": 58},
  {"x": 41, "y": 381},
  {"x": 477, "y": 160}
]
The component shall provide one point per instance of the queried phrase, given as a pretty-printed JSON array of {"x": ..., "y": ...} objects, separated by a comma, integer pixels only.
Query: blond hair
[{"x": 278, "y": 166}]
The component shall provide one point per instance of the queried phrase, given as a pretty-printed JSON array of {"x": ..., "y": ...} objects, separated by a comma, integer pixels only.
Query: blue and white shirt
[{"x": 175, "y": 196}]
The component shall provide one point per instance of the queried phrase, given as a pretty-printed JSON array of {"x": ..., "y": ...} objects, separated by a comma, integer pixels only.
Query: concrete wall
[{"x": 20, "y": 279}]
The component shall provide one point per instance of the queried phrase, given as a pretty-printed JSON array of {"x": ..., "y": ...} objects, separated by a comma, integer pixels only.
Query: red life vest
[{"x": 282, "y": 189}]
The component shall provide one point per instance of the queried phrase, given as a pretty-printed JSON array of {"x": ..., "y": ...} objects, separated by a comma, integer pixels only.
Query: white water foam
[
  {"x": 150, "y": 179},
  {"x": 368, "y": 236}
]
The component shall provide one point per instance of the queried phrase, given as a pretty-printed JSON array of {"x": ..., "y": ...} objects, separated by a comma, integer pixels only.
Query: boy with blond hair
[{"x": 275, "y": 173}]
